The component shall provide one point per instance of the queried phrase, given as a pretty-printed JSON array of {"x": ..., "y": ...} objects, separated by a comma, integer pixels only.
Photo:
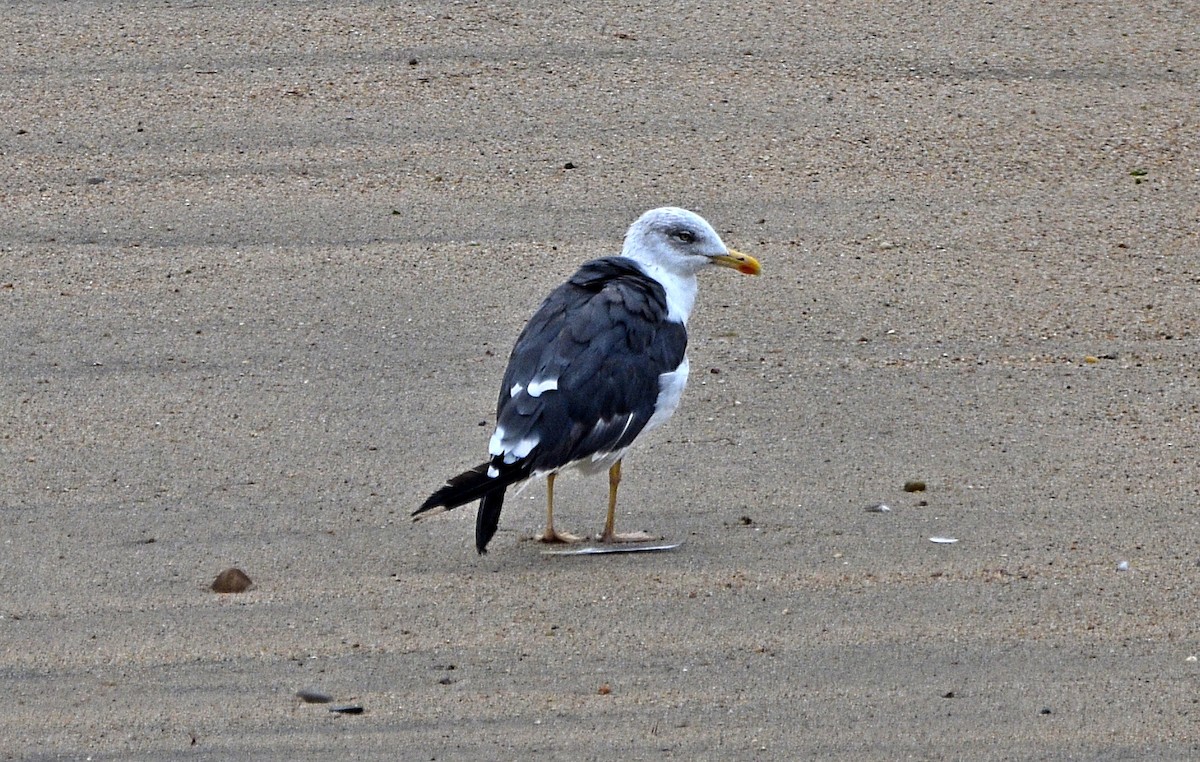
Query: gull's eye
[{"x": 683, "y": 235}]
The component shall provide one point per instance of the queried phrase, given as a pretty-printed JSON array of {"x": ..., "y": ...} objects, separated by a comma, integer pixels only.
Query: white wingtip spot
[
  {"x": 521, "y": 449},
  {"x": 493, "y": 472},
  {"x": 515, "y": 390},
  {"x": 496, "y": 443},
  {"x": 536, "y": 388}
]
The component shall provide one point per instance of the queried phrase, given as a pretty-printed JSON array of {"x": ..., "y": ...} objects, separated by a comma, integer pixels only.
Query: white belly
[{"x": 670, "y": 390}]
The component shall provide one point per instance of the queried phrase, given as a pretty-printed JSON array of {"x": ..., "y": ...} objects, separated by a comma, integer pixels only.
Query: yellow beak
[{"x": 743, "y": 263}]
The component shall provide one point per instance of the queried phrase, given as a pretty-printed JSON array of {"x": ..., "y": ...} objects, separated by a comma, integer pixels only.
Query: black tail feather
[
  {"x": 487, "y": 519},
  {"x": 475, "y": 484}
]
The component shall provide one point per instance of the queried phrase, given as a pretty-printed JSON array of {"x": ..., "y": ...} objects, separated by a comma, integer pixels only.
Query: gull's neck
[{"x": 680, "y": 290}]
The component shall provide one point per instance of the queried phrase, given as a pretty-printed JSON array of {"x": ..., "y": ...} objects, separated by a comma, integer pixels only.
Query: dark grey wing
[{"x": 583, "y": 377}]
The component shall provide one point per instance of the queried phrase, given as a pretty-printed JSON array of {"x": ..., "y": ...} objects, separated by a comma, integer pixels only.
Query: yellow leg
[
  {"x": 614, "y": 481},
  {"x": 609, "y": 534},
  {"x": 550, "y": 535}
]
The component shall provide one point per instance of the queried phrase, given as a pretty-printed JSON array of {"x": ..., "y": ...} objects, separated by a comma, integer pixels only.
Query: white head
[{"x": 681, "y": 243}]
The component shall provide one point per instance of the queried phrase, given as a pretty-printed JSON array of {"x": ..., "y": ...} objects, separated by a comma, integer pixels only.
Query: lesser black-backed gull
[{"x": 601, "y": 362}]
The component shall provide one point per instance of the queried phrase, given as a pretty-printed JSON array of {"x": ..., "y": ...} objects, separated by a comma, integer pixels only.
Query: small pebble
[
  {"x": 1123, "y": 566},
  {"x": 347, "y": 709},
  {"x": 944, "y": 540},
  {"x": 231, "y": 581},
  {"x": 914, "y": 485},
  {"x": 605, "y": 689},
  {"x": 878, "y": 508}
]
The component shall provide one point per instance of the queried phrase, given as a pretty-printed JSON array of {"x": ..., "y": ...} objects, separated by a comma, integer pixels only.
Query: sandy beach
[{"x": 261, "y": 269}]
